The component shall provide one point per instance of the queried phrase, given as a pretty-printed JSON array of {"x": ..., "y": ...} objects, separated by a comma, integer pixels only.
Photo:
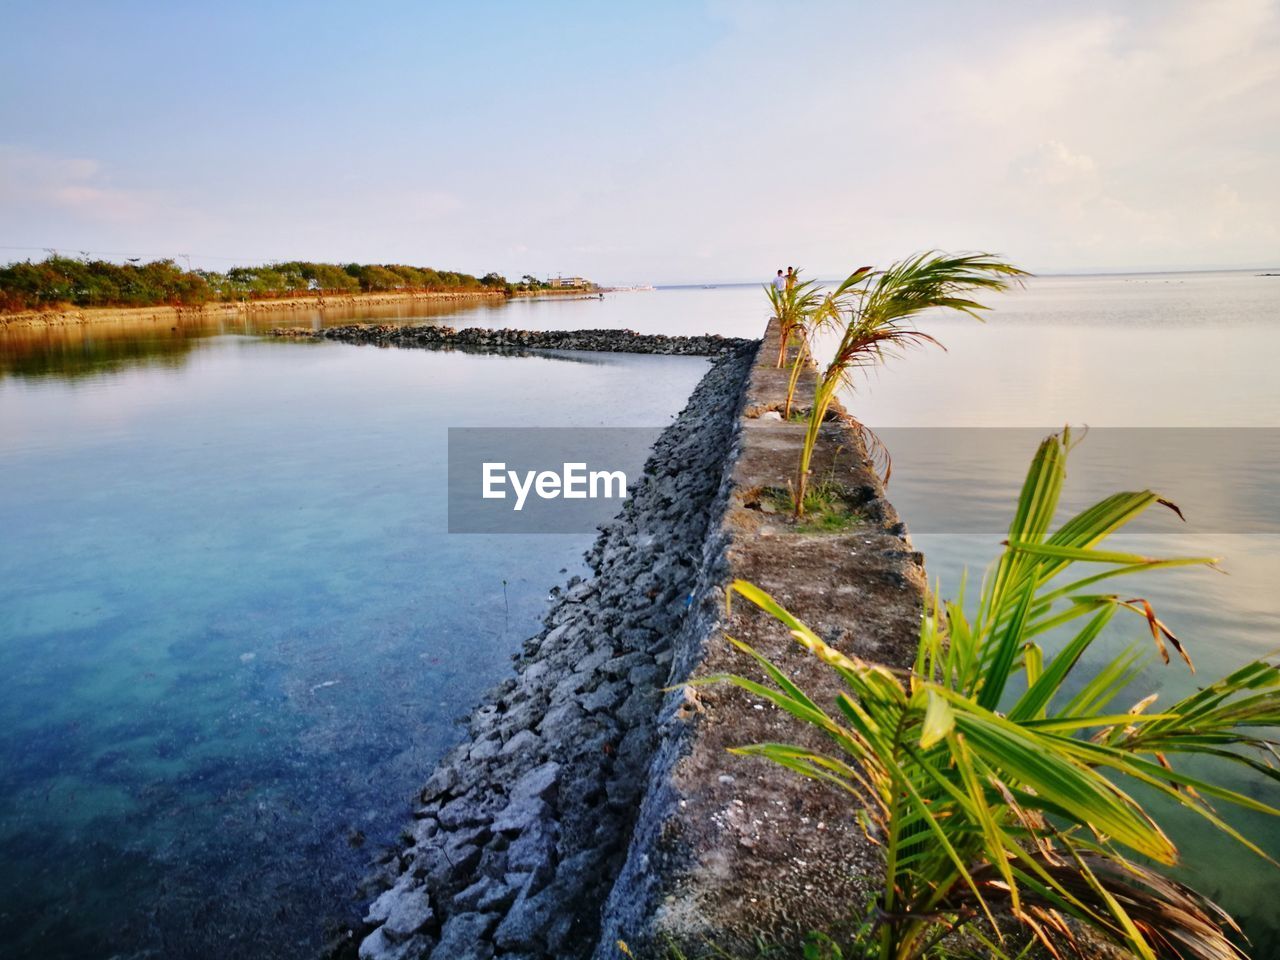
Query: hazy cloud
[
  {"x": 39, "y": 182},
  {"x": 728, "y": 139}
]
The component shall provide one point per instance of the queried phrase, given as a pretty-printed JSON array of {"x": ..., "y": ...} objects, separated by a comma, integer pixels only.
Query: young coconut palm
[
  {"x": 880, "y": 306},
  {"x": 824, "y": 315},
  {"x": 790, "y": 306},
  {"x": 995, "y": 779}
]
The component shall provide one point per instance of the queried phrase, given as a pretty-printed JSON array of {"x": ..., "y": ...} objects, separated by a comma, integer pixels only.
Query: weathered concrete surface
[{"x": 729, "y": 851}]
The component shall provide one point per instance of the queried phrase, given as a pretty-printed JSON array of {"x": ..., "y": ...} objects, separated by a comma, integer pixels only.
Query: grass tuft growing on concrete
[{"x": 828, "y": 508}]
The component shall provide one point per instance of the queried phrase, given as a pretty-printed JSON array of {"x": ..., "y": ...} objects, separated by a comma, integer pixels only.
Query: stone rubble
[
  {"x": 520, "y": 833},
  {"x": 480, "y": 338}
]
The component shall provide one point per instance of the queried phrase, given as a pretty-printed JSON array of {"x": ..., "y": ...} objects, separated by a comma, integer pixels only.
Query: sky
[{"x": 644, "y": 142}]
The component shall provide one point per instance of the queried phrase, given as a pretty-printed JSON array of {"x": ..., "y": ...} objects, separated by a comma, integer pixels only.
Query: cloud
[
  {"x": 103, "y": 203},
  {"x": 429, "y": 204},
  {"x": 1053, "y": 164},
  {"x": 1124, "y": 136},
  {"x": 1090, "y": 135},
  {"x": 32, "y": 181}
]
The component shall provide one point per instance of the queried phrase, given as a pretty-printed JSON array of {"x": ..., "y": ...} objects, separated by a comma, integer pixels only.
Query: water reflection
[{"x": 77, "y": 350}]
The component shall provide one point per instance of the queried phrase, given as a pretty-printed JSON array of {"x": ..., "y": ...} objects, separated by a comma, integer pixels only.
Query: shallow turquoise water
[{"x": 235, "y": 634}]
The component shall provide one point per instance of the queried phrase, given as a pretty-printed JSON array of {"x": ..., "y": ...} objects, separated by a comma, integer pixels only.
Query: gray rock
[
  {"x": 534, "y": 672},
  {"x": 462, "y": 812},
  {"x": 424, "y": 830},
  {"x": 381, "y": 908},
  {"x": 471, "y": 898},
  {"x": 519, "y": 814},
  {"x": 378, "y": 946},
  {"x": 463, "y": 937},
  {"x": 624, "y": 790},
  {"x": 409, "y": 913},
  {"x": 486, "y": 749},
  {"x": 532, "y": 849},
  {"x": 440, "y": 782},
  {"x": 580, "y": 592},
  {"x": 522, "y": 716},
  {"x": 525, "y": 924},
  {"x": 524, "y": 741},
  {"x": 647, "y": 675},
  {"x": 508, "y": 839},
  {"x": 559, "y": 930},
  {"x": 448, "y": 866},
  {"x": 604, "y": 697},
  {"x": 559, "y": 719},
  {"x": 501, "y": 894},
  {"x": 539, "y": 782},
  {"x": 618, "y": 667},
  {"x": 640, "y": 706},
  {"x": 558, "y": 634},
  {"x": 593, "y": 661},
  {"x": 568, "y": 687},
  {"x": 577, "y": 872}
]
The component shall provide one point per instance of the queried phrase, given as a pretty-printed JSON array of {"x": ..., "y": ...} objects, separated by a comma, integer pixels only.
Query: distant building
[{"x": 557, "y": 282}]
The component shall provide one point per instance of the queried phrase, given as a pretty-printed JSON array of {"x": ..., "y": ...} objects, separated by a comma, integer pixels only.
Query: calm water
[{"x": 234, "y": 635}]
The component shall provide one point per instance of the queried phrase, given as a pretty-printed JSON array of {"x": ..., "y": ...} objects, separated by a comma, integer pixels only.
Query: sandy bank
[{"x": 88, "y": 315}]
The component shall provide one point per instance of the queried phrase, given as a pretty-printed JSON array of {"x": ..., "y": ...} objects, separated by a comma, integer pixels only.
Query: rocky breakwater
[
  {"x": 729, "y": 852},
  {"x": 522, "y": 830},
  {"x": 480, "y": 338}
]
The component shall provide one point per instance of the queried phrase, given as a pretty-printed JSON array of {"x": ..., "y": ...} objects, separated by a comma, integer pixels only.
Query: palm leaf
[{"x": 980, "y": 812}]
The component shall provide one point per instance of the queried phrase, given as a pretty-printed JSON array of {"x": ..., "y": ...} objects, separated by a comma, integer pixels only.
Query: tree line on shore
[{"x": 65, "y": 281}]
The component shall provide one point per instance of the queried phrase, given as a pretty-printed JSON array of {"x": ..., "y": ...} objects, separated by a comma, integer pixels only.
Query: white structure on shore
[{"x": 559, "y": 282}]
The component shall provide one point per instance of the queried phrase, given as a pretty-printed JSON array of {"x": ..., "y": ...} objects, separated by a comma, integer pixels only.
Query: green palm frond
[
  {"x": 821, "y": 314},
  {"x": 875, "y": 308},
  {"x": 791, "y": 306},
  {"x": 996, "y": 780}
]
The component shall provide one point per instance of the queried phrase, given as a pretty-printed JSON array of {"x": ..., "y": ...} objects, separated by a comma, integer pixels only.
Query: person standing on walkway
[
  {"x": 791, "y": 277},
  {"x": 779, "y": 282}
]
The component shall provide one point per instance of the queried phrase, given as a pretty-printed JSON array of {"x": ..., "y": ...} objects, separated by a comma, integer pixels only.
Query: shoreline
[
  {"x": 34, "y": 319},
  {"x": 570, "y": 292}
]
